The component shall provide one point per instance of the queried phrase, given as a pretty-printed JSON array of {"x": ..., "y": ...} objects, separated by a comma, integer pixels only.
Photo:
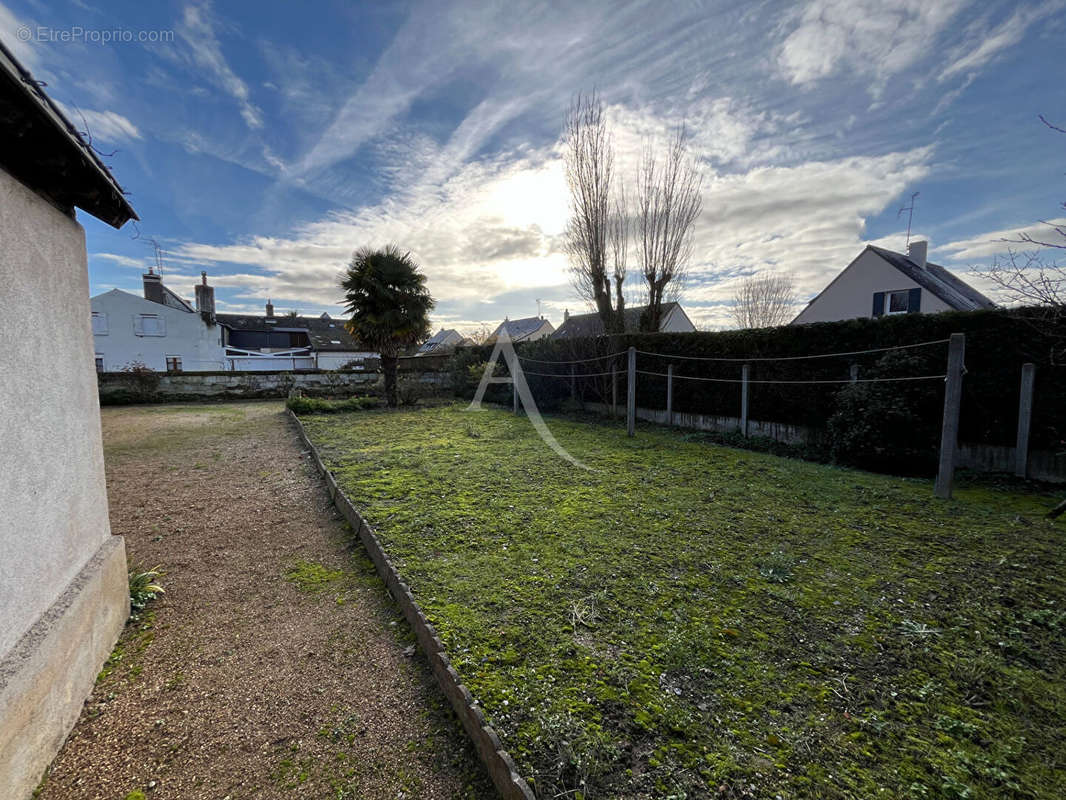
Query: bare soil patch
[{"x": 276, "y": 665}]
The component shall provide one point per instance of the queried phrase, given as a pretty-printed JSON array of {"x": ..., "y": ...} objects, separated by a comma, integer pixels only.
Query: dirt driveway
[{"x": 275, "y": 665}]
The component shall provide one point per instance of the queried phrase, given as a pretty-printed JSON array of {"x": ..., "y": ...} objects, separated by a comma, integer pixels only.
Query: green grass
[{"x": 694, "y": 621}]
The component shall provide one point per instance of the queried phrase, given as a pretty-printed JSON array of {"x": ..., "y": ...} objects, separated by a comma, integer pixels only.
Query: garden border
[{"x": 498, "y": 762}]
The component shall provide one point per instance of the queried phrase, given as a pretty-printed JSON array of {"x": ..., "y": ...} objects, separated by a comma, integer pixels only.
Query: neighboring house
[
  {"x": 882, "y": 282},
  {"x": 63, "y": 588},
  {"x": 528, "y": 329},
  {"x": 159, "y": 330},
  {"x": 443, "y": 341},
  {"x": 577, "y": 326},
  {"x": 289, "y": 342}
]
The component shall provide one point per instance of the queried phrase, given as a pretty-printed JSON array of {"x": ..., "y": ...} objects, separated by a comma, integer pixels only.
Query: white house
[
  {"x": 881, "y": 282},
  {"x": 159, "y": 330},
  {"x": 527, "y": 329},
  {"x": 443, "y": 341},
  {"x": 63, "y": 589},
  {"x": 575, "y": 326},
  {"x": 164, "y": 333}
]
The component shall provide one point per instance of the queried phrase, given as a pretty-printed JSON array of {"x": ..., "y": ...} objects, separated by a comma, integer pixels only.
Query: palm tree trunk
[{"x": 388, "y": 366}]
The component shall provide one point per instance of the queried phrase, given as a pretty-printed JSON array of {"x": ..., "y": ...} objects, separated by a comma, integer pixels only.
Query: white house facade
[
  {"x": 882, "y": 282},
  {"x": 164, "y": 336}
]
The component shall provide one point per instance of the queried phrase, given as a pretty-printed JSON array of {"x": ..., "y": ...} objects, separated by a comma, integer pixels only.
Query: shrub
[
  {"x": 890, "y": 426},
  {"x": 316, "y": 405}
]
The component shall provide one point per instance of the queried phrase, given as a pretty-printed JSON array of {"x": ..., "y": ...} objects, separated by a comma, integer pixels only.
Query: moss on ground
[{"x": 692, "y": 620}]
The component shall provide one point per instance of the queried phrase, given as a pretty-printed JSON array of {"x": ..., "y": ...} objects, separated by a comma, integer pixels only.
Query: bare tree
[
  {"x": 480, "y": 335},
  {"x": 668, "y": 203},
  {"x": 763, "y": 301},
  {"x": 593, "y": 229}
]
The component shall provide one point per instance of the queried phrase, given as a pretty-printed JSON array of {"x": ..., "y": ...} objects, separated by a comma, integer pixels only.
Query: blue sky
[{"x": 263, "y": 142}]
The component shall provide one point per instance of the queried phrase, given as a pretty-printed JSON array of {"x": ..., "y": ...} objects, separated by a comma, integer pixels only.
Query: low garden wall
[{"x": 118, "y": 388}]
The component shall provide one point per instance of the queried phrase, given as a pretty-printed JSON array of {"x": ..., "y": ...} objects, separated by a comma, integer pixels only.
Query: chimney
[
  {"x": 153, "y": 287},
  {"x": 916, "y": 252},
  {"x": 270, "y": 309},
  {"x": 205, "y": 300},
  {"x": 566, "y": 315}
]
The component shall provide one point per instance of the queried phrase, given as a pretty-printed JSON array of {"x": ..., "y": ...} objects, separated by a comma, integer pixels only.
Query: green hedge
[{"x": 997, "y": 344}]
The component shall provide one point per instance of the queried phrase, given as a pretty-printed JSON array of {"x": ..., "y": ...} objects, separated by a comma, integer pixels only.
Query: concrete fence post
[
  {"x": 744, "y": 374},
  {"x": 670, "y": 394},
  {"x": 573, "y": 385},
  {"x": 949, "y": 433},
  {"x": 854, "y": 373},
  {"x": 631, "y": 394},
  {"x": 1025, "y": 416}
]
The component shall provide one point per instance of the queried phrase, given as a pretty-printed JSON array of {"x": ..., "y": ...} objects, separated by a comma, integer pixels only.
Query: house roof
[
  {"x": 326, "y": 334},
  {"x": 951, "y": 289},
  {"x": 520, "y": 328},
  {"x": 43, "y": 150},
  {"x": 583, "y": 325},
  {"x": 442, "y": 339}
]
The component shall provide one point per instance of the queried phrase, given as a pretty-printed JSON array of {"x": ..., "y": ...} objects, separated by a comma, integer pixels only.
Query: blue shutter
[
  {"x": 914, "y": 301},
  {"x": 879, "y": 303}
]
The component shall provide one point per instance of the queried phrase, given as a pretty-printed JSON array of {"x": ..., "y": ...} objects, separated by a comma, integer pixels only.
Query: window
[
  {"x": 99, "y": 323},
  {"x": 149, "y": 325},
  {"x": 173, "y": 363},
  {"x": 896, "y": 302},
  {"x": 99, "y": 362}
]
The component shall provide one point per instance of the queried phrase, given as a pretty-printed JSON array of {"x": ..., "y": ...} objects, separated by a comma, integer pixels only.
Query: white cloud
[
  {"x": 10, "y": 27},
  {"x": 983, "y": 44},
  {"x": 986, "y": 245},
  {"x": 198, "y": 32},
  {"x": 122, "y": 261},
  {"x": 873, "y": 38},
  {"x": 109, "y": 126},
  {"x": 491, "y": 229}
]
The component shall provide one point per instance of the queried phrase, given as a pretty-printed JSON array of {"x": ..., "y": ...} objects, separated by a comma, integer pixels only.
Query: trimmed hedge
[{"x": 997, "y": 344}]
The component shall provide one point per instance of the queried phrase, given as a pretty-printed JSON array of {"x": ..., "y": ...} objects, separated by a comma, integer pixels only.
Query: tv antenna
[
  {"x": 910, "y": 215},
  {"x": 159, "y": 253}
]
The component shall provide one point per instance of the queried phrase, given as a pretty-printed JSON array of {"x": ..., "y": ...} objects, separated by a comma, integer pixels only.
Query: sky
[{"x": 264, "y": 142}]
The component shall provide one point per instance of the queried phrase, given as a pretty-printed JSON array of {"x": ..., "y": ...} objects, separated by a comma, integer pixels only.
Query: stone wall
[{"x": 162, "y": 387}]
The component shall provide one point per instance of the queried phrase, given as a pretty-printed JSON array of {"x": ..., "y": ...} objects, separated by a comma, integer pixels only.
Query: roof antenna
[
  {"x": 910, "y": 215},
  {"x": 158, "y": 256}
]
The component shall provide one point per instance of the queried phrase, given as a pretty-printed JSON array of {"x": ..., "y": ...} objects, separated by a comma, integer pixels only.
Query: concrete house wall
[
  {"x": 185, "y": 334},
  {"x": 850, "y": 295},
  {"x": 62, "y": 574}
]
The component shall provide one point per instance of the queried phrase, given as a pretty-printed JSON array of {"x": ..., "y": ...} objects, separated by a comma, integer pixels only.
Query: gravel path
[{"x": 276, "y": 665}]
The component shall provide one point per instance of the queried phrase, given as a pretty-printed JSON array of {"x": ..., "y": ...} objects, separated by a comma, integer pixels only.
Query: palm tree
[{"x": 389, "y": 303}]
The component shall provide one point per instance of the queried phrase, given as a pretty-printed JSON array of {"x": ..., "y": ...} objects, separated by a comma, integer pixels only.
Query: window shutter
[
  {"x": 914, "y": 301},
  {"x": 138, "y": 326},
  {"x": 879, "y": 304},
  {"x": 162, "y": 325}
]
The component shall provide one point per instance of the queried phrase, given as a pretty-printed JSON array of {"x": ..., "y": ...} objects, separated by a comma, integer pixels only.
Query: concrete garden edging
[{"x": 498, "y": 762}]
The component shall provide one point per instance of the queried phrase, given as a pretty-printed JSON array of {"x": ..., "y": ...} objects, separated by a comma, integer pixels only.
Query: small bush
[{"x": 316, "y": 405}]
